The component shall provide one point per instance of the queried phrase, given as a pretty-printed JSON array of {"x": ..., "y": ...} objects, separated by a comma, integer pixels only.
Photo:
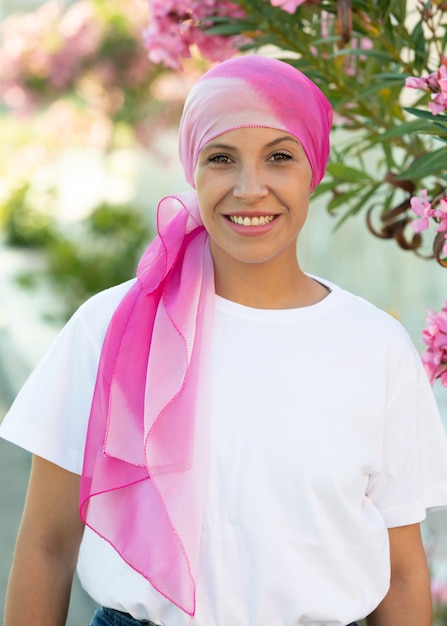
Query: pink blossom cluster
[
  {"x": 439, "y": 592},
  {"x": 424, "y": 209},
  {"x": 439, "y": 598},
  {"x": 436, "y": 84},
  {"x": 51, "y": 51},
  {"x": 43, "y": 50},
  {"x": 434, "y": 335},
  {"x": 287, "y": 5},
  {"x": 177, "y": 25},
  {"x": 435, "y": 338}
]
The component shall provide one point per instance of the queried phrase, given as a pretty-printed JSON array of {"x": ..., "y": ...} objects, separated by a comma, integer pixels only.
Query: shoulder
[
  {"x": 374, "y": 331},
  {"x": 105, "y": 301},
  {"x": 93, "y": 317},
  {"x": 361, "y": 312}
]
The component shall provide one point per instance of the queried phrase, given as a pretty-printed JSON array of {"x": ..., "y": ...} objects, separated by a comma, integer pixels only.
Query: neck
[{"x": 270, "y": 285}]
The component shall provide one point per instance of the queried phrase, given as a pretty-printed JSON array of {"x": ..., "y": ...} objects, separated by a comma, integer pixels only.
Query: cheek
[
  {"x": 202, "y": 192},
  {"x": 206, "y": 202},
  {"x": 211, "y": 189},
  {"x": 195, "y": 179},
  {"x": 204, "y": 213},
  {"x": 196, "y": 175},
  {"x": 201, "y": 181}
]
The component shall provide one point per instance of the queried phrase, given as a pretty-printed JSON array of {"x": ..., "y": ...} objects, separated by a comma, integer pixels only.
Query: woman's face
[{"x": 253, "y": 186}]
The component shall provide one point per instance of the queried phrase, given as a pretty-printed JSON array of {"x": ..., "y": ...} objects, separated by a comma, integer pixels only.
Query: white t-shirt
[{"x": 324, "y": 432}]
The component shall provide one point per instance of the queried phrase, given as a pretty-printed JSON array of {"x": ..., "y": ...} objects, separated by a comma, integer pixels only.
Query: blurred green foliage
[
  {"x": 104, "y": 252},
  {"x": 83, "y": 258},
  {"x": 23, "y": 225}
]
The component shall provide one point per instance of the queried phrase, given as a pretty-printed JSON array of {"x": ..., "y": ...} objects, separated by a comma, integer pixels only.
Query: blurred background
[{"x": 87, "y": 148}]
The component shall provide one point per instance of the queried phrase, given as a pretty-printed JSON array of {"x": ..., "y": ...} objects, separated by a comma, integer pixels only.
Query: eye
[
  {"x": 218, "y": 158},
  {"x": 278, "y": 157}
]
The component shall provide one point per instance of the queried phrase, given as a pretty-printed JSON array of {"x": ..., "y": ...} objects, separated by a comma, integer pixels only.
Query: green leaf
[
  {"x": 340, "y": 200},
  {"x": 231, "y": 28},
  {"x": 362, "y": 199},
  {"x": 348, "y": 174},
  {"x": 429, "y": 164},
  {"x": 419, "y": 47},
  {"x": 356, "y": 207},
  {"x": 379, "y": 86},
  {"x": 373, "y": 53},
  {"x": 426, "y": 114},
  {"x": 326, "y": 40},
  {"x": 405, "y": 128},
  {"x": 322, "y": 188},
  {"x": 392, "y": 76}
]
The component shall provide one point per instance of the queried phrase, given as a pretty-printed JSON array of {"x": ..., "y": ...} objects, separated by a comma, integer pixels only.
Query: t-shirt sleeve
[
  {"x": 413, "y": 475},
  {"x": 50, "y": 415}
]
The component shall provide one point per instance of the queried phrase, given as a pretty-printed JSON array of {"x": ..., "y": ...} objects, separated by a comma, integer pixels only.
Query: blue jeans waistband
[{"x": 112, "y": 617}]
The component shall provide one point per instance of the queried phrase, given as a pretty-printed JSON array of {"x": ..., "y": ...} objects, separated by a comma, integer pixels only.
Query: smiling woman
[{"x": 249, "y": 444}]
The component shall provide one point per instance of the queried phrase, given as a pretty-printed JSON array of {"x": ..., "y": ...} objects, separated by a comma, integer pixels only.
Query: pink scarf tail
[{"x": 144, "y": 476}]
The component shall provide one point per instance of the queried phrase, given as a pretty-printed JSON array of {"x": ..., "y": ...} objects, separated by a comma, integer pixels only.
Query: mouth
[{"x": 257, "y": 220}]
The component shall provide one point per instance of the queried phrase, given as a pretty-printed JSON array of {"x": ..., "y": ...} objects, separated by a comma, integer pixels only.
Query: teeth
[{"x": 251, "y": 221}]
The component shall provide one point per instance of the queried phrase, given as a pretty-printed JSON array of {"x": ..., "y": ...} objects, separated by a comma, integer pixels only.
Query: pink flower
[
  {"x": 287, "y": 5},
  {"x": 422, "y": 207},
  {"x": 441, "y": 214},
  {"x": 351, "y": 62},
  {"x": 434, "y": 337},
  {"x": 444, "y": 247},
  {"x": 175, "y": 27},
  {"x": 440, "y": 98},
  {"x": 436, "y": 84},
  {"x": 415, "y": 83},
  {"x": 439, "y": 592},
  {"x": 166, "y": 42},
  {"x": 50, "y": 51},
  {"x": 326, "y": 21},
  {"x": 80, "y": 29}
]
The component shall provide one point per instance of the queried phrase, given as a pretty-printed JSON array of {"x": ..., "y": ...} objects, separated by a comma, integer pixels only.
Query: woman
[{"x": 257, "y": 446}]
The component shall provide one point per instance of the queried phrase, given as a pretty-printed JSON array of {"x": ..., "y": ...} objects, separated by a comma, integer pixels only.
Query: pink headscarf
[
  {"x": 252, "y": 91},
  {"x": 145, "y": 465}
]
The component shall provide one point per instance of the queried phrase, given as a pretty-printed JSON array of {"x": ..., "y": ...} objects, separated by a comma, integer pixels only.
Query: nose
[{"x": 249, "y": 185}]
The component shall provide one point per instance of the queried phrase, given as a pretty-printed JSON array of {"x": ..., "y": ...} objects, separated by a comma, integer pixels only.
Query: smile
[{"x": 251, "y": 221}]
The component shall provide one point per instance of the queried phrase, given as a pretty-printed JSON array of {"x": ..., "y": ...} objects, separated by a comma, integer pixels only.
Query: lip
[{"x": 250, "y": 214}]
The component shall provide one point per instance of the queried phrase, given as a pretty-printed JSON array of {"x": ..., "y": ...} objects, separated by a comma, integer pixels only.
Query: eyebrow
[
  {"x": 270, "y": 144},
  {"x": 281, "y": 139}
]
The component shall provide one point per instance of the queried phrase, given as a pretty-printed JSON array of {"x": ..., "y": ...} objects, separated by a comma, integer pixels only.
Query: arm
[
  {"x": 47, "y": 548},
  {"x": 408, "y": 601}
]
